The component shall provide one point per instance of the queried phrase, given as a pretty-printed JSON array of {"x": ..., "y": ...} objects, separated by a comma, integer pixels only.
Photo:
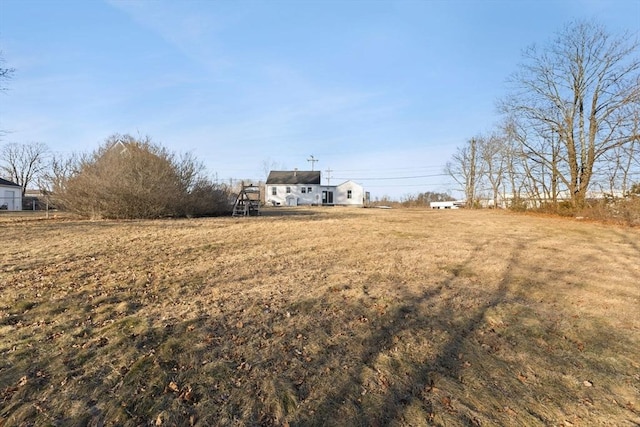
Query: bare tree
[
  {"x": 466, "y": 168},
  {"x": 494, "y": 158},
  {"x": 623, "y": 163},
  {"x": 626, "y": 161},
  {"x": 53, "y": 182},
  {"x": 578, "y": 97},
  {"x": 515, "y": 171},
  {"x": 269, "y": 165},
  {"x": 24, "y": 163},
  {"x": 5, "y": 74}
]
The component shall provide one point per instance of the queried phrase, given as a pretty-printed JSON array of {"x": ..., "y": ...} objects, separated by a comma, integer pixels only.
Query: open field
[{"x": 358, "y": 317}]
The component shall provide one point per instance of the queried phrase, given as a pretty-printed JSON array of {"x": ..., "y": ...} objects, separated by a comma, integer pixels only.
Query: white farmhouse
[
  {"x": 296, "y": 188},
  {"x": 10, "y": 196}
]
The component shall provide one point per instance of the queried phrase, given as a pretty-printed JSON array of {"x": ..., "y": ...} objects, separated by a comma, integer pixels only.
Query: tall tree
[
  {"x": 494, "y": 159},
  {"x": 577, "y": 96},
  {"x": 515, "y": 181},
  {"x": 466, "y": 168},
  {"x": 23, "y": 163}
]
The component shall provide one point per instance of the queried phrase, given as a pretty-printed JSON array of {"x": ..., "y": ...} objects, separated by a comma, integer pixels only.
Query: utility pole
[
  {"x": 313, "y": 160},
  {"x": 328, "y": 171}
]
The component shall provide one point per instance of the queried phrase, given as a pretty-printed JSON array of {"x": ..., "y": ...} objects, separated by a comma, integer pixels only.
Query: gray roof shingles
[{"x": 293, "y": 177}]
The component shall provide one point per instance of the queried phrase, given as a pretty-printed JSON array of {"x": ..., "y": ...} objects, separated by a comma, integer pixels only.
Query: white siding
[
  {"x": 282, "y": 198},
  {"x": 444, "y": 205},
  {"x": 296, "y": 197},
  {"x": 346, "y": 189},
  {"x": 11, "y": 197}
]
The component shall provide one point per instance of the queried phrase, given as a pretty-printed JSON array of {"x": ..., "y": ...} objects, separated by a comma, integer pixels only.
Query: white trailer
[{"x": 446, "y": 205}]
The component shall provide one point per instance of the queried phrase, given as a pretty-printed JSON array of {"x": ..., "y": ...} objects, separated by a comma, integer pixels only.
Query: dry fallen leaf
[
  {"x": 173, "y": 387},
  {"x": 186, "y": 394}
]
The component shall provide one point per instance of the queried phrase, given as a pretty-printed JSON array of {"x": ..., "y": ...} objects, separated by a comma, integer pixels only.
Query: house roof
[
  {"x": 293, "y": 177},
  {"x": 8, "y": 183},
  {"x": 353, "y": 183}
]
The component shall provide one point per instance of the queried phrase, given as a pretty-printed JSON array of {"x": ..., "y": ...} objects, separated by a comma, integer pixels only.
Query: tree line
[{"x": 569, "y": 128}]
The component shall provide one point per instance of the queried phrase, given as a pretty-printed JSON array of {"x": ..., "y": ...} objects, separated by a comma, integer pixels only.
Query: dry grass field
[{"x": 336, "y": 317}]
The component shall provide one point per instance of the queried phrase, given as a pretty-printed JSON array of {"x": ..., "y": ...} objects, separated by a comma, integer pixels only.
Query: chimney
[{"x": 295, "y": 172}]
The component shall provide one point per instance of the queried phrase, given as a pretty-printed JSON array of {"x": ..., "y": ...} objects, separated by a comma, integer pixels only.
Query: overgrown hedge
[{"x": 129, "y": 178}]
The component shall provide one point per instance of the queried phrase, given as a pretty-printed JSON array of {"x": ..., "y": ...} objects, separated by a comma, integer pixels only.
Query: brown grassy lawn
[{"x": 358, "y": 317}]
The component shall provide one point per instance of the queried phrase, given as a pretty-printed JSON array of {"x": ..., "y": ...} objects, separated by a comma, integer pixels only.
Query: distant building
[
  {"x": 34, "y": 200},
  {"x": 447, "y": 205},
  {"x": 10, "y": 196},
  {"x": 297, "y": 188}
]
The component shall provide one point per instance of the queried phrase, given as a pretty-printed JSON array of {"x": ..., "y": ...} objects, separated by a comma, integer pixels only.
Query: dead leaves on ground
[{"x": 184, "y": 393}]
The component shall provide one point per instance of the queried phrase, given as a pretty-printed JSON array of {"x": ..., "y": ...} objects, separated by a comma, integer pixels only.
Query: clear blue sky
[{"x": 372, "y": 89}]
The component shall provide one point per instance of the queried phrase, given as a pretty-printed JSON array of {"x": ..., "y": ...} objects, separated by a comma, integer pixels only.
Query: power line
[
  {"x": 397, "y": 177},
  {"x": 405, "y": 185},
  {"x": 439, "y": 167}
]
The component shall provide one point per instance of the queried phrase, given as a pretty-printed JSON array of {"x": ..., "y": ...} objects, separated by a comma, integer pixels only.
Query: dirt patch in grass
[{"x": 320, "y": 317}]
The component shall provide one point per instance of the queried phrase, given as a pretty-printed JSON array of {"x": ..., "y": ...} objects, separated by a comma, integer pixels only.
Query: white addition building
[
  {"x": 296, "y": 188},
  {"x": 10, "y": 196}
]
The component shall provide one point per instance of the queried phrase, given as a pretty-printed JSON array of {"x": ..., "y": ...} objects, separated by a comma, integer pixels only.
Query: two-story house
[{"x": 296, "y": 188}]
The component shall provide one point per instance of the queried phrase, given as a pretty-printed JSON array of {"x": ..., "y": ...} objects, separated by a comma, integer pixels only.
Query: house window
[
  {"x": 288, "y": 190},
  {"x": 274, "y": 191},
  {"x": 309, "y": 189},
  {"x": 348, "y": 194},
  {"x": 304, "y": 190}
]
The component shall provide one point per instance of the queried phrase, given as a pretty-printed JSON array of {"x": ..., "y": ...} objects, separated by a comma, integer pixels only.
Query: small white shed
[{"x": 10, "y": 196}]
